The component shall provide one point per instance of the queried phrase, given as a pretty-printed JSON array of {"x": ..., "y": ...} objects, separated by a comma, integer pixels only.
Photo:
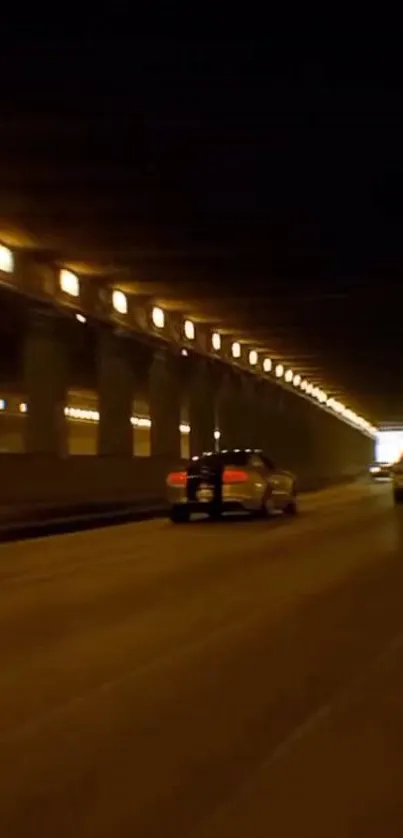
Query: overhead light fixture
[
  {"x": 158, "y": 317},
  {"x": 267, "y": 365},
  {"x": 236, "y": 349},
  {"x": 279, "y": 371},
  {"x": 289, "y": 376},
  {"x": 81, "y": 318},
  {"x": 189, "y": 329},
  {"x": 296, "y": 380},
  {"x": 69, "y": 283},
  {"x": 119, "y": 302},
  {"x": 184, "y": 352},
  {"x": 216, "y": 341},
  {"x": 338, "y": 407},
  {"x": 22, "y": 407},
  {"x": 253, "y": 357},
  {"x": 6, "y": 259}
]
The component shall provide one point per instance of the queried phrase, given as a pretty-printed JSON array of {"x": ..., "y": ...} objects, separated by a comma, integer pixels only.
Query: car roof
[{"x": 227, "y": 452}]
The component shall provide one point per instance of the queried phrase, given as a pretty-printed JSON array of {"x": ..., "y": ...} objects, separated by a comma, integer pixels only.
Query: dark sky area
[{"x": 266, "y": 171}]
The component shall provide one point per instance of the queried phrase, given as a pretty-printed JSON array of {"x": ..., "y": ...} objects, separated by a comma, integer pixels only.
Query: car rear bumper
[{"x": 195, "y": 507}]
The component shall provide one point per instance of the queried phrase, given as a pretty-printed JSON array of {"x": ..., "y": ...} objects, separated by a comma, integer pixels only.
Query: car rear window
[{"x": 233, "y": 458}]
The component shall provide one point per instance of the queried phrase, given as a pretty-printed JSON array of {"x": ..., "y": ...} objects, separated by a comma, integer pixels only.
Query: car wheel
[
  {"x": 398, "y": 496},
  {"x": 267, "y": 508},
  {"x": 291, "y": 508},
  {"x": 179, "y": 515}
]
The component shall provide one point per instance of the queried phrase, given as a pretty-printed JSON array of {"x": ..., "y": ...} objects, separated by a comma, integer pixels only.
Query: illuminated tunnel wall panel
[{"x": 82, "y": 433}]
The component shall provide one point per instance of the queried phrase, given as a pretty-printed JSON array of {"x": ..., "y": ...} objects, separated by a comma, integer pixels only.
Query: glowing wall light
[
  {"x": 158, "y": 317},
  {"x": 216, "y": 341},
  {"x": 189, "y": 329},
  {"x": 6, "y": 259},
  {"x": 279, "y": 371},
  {"x": 69, "y": 283},
  {"x": 267, "y": 365},
  {"x": 289, "y": 376},
  {"x": 119, "y": 302},
  {"x": 253, "y": 357},
  {"x": 296, "y": 380},
  {"x": 236, "y": 349}
]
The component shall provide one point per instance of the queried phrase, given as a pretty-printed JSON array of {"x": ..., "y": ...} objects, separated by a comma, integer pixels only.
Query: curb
[
  {"x": 22, "y": 530},
  {"x": 59, "y": 524}
]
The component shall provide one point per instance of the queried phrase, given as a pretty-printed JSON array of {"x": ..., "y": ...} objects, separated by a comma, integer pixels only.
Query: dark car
[{"x": 380, "y": 471}]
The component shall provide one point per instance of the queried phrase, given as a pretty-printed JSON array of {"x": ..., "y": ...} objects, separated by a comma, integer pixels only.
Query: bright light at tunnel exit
[{"x": 388, "y": 446}]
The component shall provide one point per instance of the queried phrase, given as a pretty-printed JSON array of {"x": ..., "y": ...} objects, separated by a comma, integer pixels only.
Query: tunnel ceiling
[{"x": 259, "y": 192}]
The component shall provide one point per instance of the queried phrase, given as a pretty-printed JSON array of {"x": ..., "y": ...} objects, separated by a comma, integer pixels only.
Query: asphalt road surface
[{"x": 243, "y": 678}]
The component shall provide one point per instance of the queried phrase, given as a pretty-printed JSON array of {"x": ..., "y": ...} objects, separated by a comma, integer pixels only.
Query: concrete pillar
[
  {"x": 201, "y": 399},
  {"x": 165, "y": 404},
  {"x": 45, "y": 373},
  {"x": 270, "y": 421},
  {"x": 115, "y": 372},
  {"x": 262, "y": 438},
  {"x": 252, "y": 408},
  {"x": 230, "y": 420}
]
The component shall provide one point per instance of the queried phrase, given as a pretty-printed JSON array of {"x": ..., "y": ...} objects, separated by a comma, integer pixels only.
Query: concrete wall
[
  {"x": 30, "y": 479},
  {"x": 48, "y": 457}
]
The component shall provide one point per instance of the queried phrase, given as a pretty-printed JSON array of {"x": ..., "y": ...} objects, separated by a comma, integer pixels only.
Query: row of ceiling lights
[{"x": 70, "y": 284}]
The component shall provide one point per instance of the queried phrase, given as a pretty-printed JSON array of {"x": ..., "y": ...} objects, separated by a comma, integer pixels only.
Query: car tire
[
  {"x": 179, "y": 515},
  {"x": 398, "y": 496},
  {"x": 291, "y": 508},
  {"x": 267, "y": 508}
]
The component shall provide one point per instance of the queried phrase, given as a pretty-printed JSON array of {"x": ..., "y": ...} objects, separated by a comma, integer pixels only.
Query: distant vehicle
[
  {"x": 397, "y": 481},
  {"x": 380, "y": 471},
  {"x": 240, "y": 479}
]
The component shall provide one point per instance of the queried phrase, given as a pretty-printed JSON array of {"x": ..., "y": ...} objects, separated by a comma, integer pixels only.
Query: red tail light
[
  {"x": 234, "y": 475},
  {"x": 177, "y": 478}
]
